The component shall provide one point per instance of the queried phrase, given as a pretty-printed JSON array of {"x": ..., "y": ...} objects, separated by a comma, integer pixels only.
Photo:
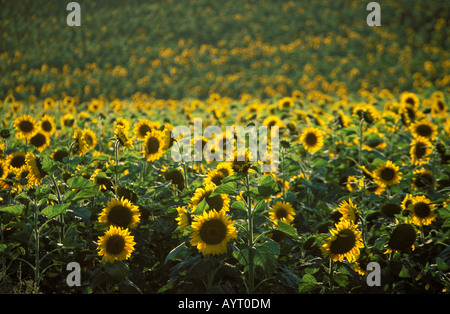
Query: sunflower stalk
[{"x": 250, "y": 242}]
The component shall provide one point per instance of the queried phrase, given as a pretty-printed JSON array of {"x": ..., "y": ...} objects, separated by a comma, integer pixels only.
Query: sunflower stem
[{"x": 251, "y": 273}]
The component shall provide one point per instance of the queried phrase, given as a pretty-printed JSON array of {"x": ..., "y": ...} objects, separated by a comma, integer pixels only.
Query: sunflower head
[
  {"x": 345, "y": 242},
  {"x": 212, "y": 230},
  {"x": 348, "y": 211},
  {"x": 121, "y": 133},
  {"x": 25, "y": 126},
  {"x": 79, "y": 145},
  {"x": 402, "y": 238},
  {"x": 219, "y": 202},
  {"x": 155, "y": 145},
  {"x": 421, "y": 210},
  {"x": 40, "y": 141},
  {"x": 312, "y": 139},
  {"x": 281, "y": 211},
  {"x": 424, "y": 128},
  {"x": 143, "y": 127},
  {"x": 184, "y": 218},
  {"x": 174, "y": 175},
  {"x": 120, "y": 213},
  {"x": 387, "y": 174},
  {"x": 47, "y": 125},
  {"x": 116, "y": 244},
  {"x": 34, "y": 165},
  {"x": 420, "y": 150}
]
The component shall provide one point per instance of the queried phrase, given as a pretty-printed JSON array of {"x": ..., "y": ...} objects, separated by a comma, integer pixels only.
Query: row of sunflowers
[{"x": 359, "y": 180}]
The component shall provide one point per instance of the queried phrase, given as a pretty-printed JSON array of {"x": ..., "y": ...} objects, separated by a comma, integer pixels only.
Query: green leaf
[
  {"x": 226, "y": 188},
  {"x": 86, "y": 193},
  {"x": 48, "y": 164},
  {"x": 267, "y": 185},
  {"x": 308, "y": 283},
  {"x": 14, "y": 209},
  {"x": 79, "y": 183},
  {"x": 118, "y": 270},
  {"x": 177, "y": 253},
  {"x": 260, "y": 206},
  {"x": 287, "y": 229},
  {"x": 240, "y": 205},
  {"x": 265, "y": 256},
  {"x": 54, "y": 210},
  {"x": 201, "y": 207}
]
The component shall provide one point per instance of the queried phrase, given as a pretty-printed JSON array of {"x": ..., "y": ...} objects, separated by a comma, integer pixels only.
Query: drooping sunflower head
[
  {"x": 219, "y": 202},
  {"x": 402, "y": 238},
  {"x": 421, "y": 210},
  {"x": 121, "y": 133},
  {"x": 25, "y": 126},
  {"x": 116, "y": 244},
  {"x": 312, "y": 139},
  {"x": 241, "y": 161},
  {"x": 423, "y": 179},
  {"x": 348, "y": 211},
  {"x": 155, "y": 145},
  {"x": 212, "y": 230},
  {"x": 174, "y": 175},
  {"x": 424, "y": 128},
  {"x": 184, "y": 218},
  {"x": 387, "y": 174},
  {"x": 281, "y": 211},
  {"x": 420, "y": 150},
  {"x": 79, "y": 145},
  {"x": 40, "y": 141},
  {"x": 90, "y": 138},
  {"x": 120, "y": 213},
  {"x": 345, "y": 242},
  {"x": 34, "y": 165}
]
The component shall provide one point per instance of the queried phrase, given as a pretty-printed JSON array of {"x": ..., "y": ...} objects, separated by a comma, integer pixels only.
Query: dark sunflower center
[
  {"x": 143, "y": 129},
  {"x": 89, "y": 140},
  {"x": 421, "y": 209},
  {"x": 421, "y": 149},
  {"x": 423, "y": 130},
  {"x": 272, "y": 123},
  {"x": 344, "y": 242},
  {"x": 402, "y": 237},
  {"x": 176, "y": 177},
  {"x": 286, "y": 104},
  {"x": 440, "y": 105},
  {"x": 115, "y": 244},
  {"x": 46, "y": 126},
  {"x": 69, "y": 122},
  {"x": 391, "y": 209},
  {"x": 120, "y": 216},
  {"x": 281, "y": 213},
  {"x": 215, "y": 202},
  {"x": 423, "y": 180},
  {"x": 387, "y": 174},
  {"x": 60, "y": 154},
  {"x": 213, "y": 231},
  {"x": 17, "y": 161},
  {"x": 311, "y": 139},
  {"x": 410, "y": 101},
  {"x": 38, "y": 140},
  {"x": 152, "y": 145},
  {"x": 217, "y": 179},
  {"x": 26, "y": 126}
]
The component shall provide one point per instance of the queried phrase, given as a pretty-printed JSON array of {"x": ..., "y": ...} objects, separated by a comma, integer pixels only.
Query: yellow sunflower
[
  {"x": 40, "y": 141},
  {"x": 439, "y": 108},
  {"x": 281, "y": 211},
  {"x": 79, "y": 145},
  {"x": 409, "y": 99},
  {"x": 143, "y": 127},
  {"x": 423, "y": 178},
  {"x": 225, "y": 168},
  {"x": 212, "y": 231},
  {"x": 47, "y": 125},
  {"x": 16, "y": 160},
  {"x": 421, "y": 210},
  {"x": 312, "y": 139},
  {"x": 25, "y": 126},
  {"x": 67, "y": 121},
  {"x": 122, "y": 136},
  {"x": 175, "y": 176},
  {"x": 218, "y": 202},
  {"x": 90, "y": 138},
  {"x": 184, "y": 218},
  {"x": 241, "y": 161},
  {"x": 424, "y": 128},
  {"x": 116, "y": 244},
  {"x": 272, "y": 121},
  {"x": 345, "y": 242},
  {"x": 387, "y": 174},
  {"x": 155, "y": 145},
  {"x": 34, "y": 164},
  {"x": 214, "y": 176},
  {"x": 120, "y": 213},
  {"x": 420, "y": 150},
  {"x": 285, "y": 103},
  {"x": 348, "y": 211}
]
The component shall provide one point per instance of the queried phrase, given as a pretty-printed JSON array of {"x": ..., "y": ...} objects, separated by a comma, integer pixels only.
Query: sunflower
[
  {"x": 34, "y": 164},
  {"x": 272, "y": 121},
  {"x": 116, "y": 244},
  {"x": 345, "y": 242},
  {"x": 367, "y": 112},
  {"x": 59, "y": 154},
  {"x": 390, "y": 209},
  {"x": 143, "y": 127},
  {"x": 184, "y": 218},
  {"x": 79, "y": 145},
  {"x": 122, "y": 136},
  {"x": 285, "y": 103},
  {"x": 312, "y": 139},
  {"x": 402, "y": 238},
  {"x": 348, "y": 211},
  {"x": 90, "y": 138},
  {"x": 123, "y": 122},
  {"x": 3, "y": 170},
  {"x": 354, "y": 184},
  {"x": 409, "y": 99},
  {"x": 424, "y": 128},
  {"x": 40, "y": 140},
  {"x": 25, "y": 126},
  {"x": 387, "y": 174},
  {"x": 421, "y": 210},
  {"x": 439, "y": 108},
  {"x": 175, "y": 176},
  {"x": 220, "y": 202},
  {"x": 47, "y": 125},
  {"x": 214, "y": 176},
  {"x": 212, "y": 231},
  {"x": 225, "y": 168},
  {"x": 102, "y": 180},
  {"x": 420, "y": 150},
  {"x": 67, "y": 121},
  {"x": 120, "y": 213},
  {"x": 240, "y": 162},
  {"x": 281, "y": 211},
  {"x": 155, "y": 145},
  {"x": 423, "y": 178},
  {"x": 16, "y": 160}
]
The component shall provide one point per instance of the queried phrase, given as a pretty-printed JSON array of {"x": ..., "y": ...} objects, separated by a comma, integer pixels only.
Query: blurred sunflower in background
[
  {"x": 184, "y": 218},
  {"x": 25, "y": 126},
  {"x": 120, "y": 213},
  {"x": 40, "y": 140},
  {"x": 47, "y": 125},
  {"x": 35, "y": 166},
  {"x": 155, "y": 145},
  {"x": 312, "y": 139},
  {"x": 212, "y": 230},
  {"x": 281, "y": 211},
  {"x": 421, "y": 210},
  {"x": 121, "y": 133},
  {"x": 79, "y": 145},
  {"x": 420, "y": 150},
  {"x": 116, "y": 244},
  {"x": 345, "y": 242},
  {"x": 423, "y": 128}
]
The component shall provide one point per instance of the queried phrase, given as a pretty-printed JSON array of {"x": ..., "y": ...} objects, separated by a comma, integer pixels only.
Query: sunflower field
[{"x": 87, "y": 173}]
